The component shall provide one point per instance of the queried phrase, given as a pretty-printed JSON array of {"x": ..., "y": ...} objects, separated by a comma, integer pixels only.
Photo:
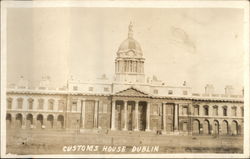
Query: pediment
[{"x": 131, "y": 92}]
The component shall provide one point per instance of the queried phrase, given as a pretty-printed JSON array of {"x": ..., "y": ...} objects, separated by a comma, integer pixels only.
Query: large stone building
[{"x": 129, "y": 102}]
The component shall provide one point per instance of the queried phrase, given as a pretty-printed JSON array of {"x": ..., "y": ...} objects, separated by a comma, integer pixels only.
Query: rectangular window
[
  {"x": 40, "y": 103},
  {"x": 155, "y": 91},
  {"x": 215, "y": 111},
  {"x": 185, "y": 92},
  {"x": 206, "y": 110},
  {"x": 196, "y": 110},
  {"x": 185, "y": 110},
  {"x": 170, "y": 91},
  {"x": 61, "y": 105},
  {"x": 234, "y": 111},
  {"x": 75, "y": 88},
  {"x": 74, "y": 106},
  {"x": 9, "y": 103},
  {"x": 106, "y": 89},
  {"x": 51, "y": 104},
  {"x": 19, "y": 103},
  {"x": 224, "y": 111},
  {"x": 242, "y": 111},
  {"x": 30, "y": 104},
  {"x": 91, "y": 88}
]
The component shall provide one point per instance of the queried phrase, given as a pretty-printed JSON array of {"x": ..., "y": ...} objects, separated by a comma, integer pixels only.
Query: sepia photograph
[{"x": 124, "y": 79}]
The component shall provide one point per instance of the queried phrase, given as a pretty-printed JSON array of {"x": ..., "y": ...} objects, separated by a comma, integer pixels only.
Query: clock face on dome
[{"x": 131, "y": 53}]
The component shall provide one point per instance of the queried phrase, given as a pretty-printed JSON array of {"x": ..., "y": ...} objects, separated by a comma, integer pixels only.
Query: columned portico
[{"x": 130, "y": 115}]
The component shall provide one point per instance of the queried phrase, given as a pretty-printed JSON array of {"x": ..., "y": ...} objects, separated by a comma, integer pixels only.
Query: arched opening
[
  {"x": 8, "y": 120},
  {"x": 29, "y": 120},
  {"x": 224, "y": 127},
  {"x": 50, "y": 120},
  {"x": 196, "y": 127},
  {"x": 234, "y": 128},
  {"x": 206, "y": 127},
  {"x": 60, "y": 121},
  {"x": 19, "y": 120},
  {"x": 216, "y": 127},
  {"x": 39, "y": 122}
]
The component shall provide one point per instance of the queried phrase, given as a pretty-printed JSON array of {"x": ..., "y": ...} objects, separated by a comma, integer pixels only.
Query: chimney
[
  {"x": 209, "y": 89},
  {"x": 229, "y": 90}
]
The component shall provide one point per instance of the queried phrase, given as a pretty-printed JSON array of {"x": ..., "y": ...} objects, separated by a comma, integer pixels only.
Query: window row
[
  {"x": 170, "y": 92},
  {"x": 91, "y": 89},
  {"x": 40, "y": 106},
  {"x": 90, "y": 106},
  {"x": 215, "y": 111}
]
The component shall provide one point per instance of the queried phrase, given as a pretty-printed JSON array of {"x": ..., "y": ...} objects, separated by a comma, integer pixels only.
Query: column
[
  {"x": 136, "y": 66},
  {"x": 133, "y": 66},
  {"x": 123, "y": 66},
  {"x": 164, "y": 117},
  {"x": 136, "y": 116},
  {"x": 23, "y": 121},
  {"x": 78, "y": 106},
  {"x": 115, "y": 66},
  {"x": 229, "y": 111},
  {"x": 83, "y": 113},
  {"x": 176, "y": 107},
  {"x": 125, "y": 115},
  {"x": 190, "y": 113},
  {"x": 113, "y": 116},
  {"x": 210, "y": 110},
  {"x": 55, "y": 106},
  {"x": 126, "y": 66},
  {"x": 34, "y": 122},
  {"x": 142, "y": 67},
  {"x": 148, "y": 117},
  {"x": 96, "y": 114},
  {"x": 229, "y": 128},
  {"x": 139, "y": 66},
  {"x": 200, "y": 110}
]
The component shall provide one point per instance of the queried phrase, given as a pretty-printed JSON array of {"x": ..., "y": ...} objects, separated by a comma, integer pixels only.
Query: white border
[{"x": 129, "y": 4}]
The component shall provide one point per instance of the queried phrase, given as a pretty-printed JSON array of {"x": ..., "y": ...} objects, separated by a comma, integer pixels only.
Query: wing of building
[{"x": 129, "y": 102}]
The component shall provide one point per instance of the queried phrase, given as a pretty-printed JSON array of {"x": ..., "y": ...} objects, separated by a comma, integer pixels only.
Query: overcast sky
[{"x": 200, "y": 46}]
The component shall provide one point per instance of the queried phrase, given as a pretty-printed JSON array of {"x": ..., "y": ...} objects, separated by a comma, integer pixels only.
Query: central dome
[
  {"x": 130, "y": 44},
  {"x": 129, "y": 47}
]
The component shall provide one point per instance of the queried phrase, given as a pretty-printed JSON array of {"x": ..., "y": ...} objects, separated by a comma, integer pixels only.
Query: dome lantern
[{"x": 130, "y": 31}]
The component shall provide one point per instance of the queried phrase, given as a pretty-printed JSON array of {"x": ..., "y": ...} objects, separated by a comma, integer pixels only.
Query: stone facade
[{"x": 130, "y": 102}]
